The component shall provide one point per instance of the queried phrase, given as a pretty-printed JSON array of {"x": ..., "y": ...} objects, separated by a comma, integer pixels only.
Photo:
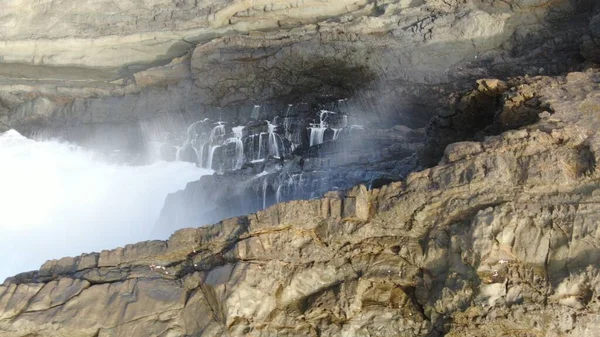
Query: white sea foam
[{"x": 57, "y": 200}]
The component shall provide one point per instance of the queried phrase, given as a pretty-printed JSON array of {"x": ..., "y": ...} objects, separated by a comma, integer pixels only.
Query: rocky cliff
[
  {"x": 499, "y": 239},
  {"x": 104, "y": 73},
  {"x": 495, "y": 234},
  {"x": 390, "y": 143}
]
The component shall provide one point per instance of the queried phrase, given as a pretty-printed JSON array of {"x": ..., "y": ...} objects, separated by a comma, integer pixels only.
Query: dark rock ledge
[{"x": 499, "y": 239}]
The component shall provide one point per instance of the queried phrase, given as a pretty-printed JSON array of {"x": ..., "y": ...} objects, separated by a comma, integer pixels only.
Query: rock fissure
[{"x": 496, "y": 235}]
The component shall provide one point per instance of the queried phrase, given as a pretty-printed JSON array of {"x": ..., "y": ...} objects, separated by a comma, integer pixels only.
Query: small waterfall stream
[
  {"x": 265, "y": 145},
  {"x": 273, "y": 144},
  {"x": 238, "y": 132},
  {"x": 214, "y": 141},
  {"x": 317, "y": 131}
]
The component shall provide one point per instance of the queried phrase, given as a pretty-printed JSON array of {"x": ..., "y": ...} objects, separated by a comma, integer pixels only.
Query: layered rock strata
[
  {"x": 357, "y": 155},
  {"x": 498, "y": 239},
  {"x": 65, "y": 71}
]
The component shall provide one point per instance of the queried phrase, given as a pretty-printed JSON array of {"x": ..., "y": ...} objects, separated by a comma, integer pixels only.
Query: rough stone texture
[
  {"x": 493, "y": 107},
  {"x": 591, "y": 41},
  {"x": 65, "y": 71},
  {"x": 372, "y": 157},
  {"x": 499, "y": 239}
]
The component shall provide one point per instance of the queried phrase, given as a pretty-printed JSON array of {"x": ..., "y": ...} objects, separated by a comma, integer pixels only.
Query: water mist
[{"x": 57, "y": 200}]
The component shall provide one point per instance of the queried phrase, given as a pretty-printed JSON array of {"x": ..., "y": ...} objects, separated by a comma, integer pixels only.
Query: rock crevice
[
  {"x": 498, "y": 238},
  {"x": 396, "y": 60}
]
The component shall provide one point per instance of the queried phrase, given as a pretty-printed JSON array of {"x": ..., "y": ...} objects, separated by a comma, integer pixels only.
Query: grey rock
[
  {"x": 496, "y": 241},
  {"x": 398, "y": 60}
]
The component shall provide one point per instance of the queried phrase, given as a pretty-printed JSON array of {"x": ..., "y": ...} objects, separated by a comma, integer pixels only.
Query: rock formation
[
  {"x": 288, "y": 160},
  {"x": 389, "y": 157},
  {"x": 98, "y": 72},
  {"x": 494, "y": 233},
  {"x": 498, "y": 239}
]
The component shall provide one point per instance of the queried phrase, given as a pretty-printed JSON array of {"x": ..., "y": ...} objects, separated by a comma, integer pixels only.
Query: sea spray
[{"x": 57, "y": 199}]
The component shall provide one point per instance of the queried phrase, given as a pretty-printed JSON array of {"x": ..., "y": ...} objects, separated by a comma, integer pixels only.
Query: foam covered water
[{"x": 57, "y": 200}]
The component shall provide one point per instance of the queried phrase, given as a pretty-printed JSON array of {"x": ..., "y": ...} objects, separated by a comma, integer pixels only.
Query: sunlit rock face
[
  {"x": 476, "y": 210},
  {"x": 496, "y": 239},
  {"x": 137, "y": 84},
  {"x": 64, "y": 69}
]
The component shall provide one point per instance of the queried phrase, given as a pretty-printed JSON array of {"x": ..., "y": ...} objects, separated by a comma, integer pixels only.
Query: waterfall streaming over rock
[
  {"x": 220, "y": 146},
  {"x": 214, "y": 141},
  {"x": 278, "y": 194},
  {"x": 318, "y": 131},
  {"x": 264, "y": 193},
  {"x": 239, "y": 146},
  {"x": 270, "y": 155},
  {"x": 261, "y": 147},
  {"x": 58, "y": 199},
  {"x": 209, "y": 145},
  {"x": 273, "y": 143},
  {"x": 204, "y": 140},
  {"x": 193, "y": 149},
  {"x": 435, "y": 164}
]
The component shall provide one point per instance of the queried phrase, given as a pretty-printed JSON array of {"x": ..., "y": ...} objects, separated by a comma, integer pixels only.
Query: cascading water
[
  {"x": 254, "y": 142},
  {"x": 317, "y": 131},
  {"x": 194, "y": 142},
  {"x": 262, "y": 151},
  {"x": 263, "y": 161},
  {"x": 214, "y": 142},
  {"x": 211, "y": 154},
  {"x": 287, "y": 186},
  {"x": 316, "y": 135},
  {"x": 59, "y": 200},
  {"x": 273, "y": 145},
  {"x": 239, "y": 146},
  {"x": 293, "y": 137},
  {"x": 278, "y": 194},
  {"x": 264, "y": 194}
]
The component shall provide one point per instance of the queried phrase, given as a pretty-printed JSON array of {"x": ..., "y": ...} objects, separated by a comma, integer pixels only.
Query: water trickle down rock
[
  {"x": 239, "y": 146},
  {"x": 497, "y": 239},
  {"x": 291, "y": 158},
  {"x": 322, "y": 132}
]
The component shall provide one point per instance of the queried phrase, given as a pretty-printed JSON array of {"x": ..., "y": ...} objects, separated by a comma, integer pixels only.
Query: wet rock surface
[
  {"x": 498, "y": 239},
  {"x": 73, "y": 76},
  {"x": 300, "y": 156}
]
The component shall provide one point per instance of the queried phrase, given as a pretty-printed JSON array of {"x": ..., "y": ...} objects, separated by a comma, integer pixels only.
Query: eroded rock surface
[
  {"x": 498, "y": 239},
  {"x": 74, "y": 75},
  {"x": 356, "y": 156}
]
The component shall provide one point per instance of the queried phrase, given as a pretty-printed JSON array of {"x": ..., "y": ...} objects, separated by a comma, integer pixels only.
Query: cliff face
[
  {"x": 63, "y": 69},
  {"x": 498, "y": 239}
]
